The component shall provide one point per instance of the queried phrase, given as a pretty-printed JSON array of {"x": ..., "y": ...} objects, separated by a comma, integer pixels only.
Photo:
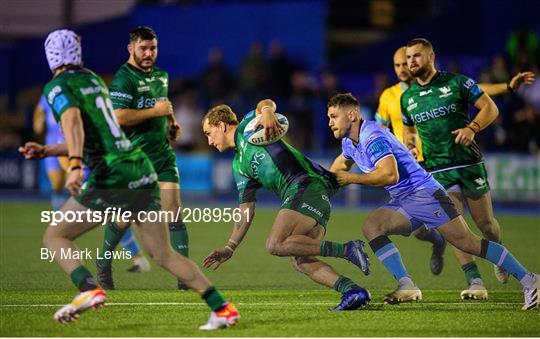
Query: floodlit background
[{"x": 298, "y": 53}]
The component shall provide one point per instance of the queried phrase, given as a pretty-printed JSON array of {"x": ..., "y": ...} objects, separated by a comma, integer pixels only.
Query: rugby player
[
  {"x": 389, "y": 115},
  {"x": 121, "y": 175},
  {"x": 435, "y": 108},
  {"x": 418, "y": 200},
  {"x": 304, "y": 188},
  {"x": 139, "y": 92}
]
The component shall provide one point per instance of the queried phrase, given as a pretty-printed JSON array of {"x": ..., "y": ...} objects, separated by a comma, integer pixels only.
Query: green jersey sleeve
[
  {"x": 121, "y": 92},
  {"x": 470, "y": 90},
  {"x": 405, "y": 117},
  {"x": 60, "y": 98},
  {"x": 247, "y": 187}
]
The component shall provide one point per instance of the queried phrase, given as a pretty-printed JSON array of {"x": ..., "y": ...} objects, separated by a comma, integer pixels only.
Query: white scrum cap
[{"x": 63, "y": 47}]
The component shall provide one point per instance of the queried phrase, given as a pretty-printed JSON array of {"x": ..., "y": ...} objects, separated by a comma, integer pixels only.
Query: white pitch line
[{"x": 260, "y": 304}]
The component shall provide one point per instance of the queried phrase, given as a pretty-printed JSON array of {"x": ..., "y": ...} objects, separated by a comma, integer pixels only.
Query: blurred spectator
[
  {"x": 531, "y": 93},
  {"x": 189, "y": 115},
  {"x": 497, "y": 72},
  {"x": 280, "y": 70},
  {"x": 300, "y": 111},
  {"x": 523, "y": 48},
  {"x": 253, "y": 72},
  {"x": 329, "y": 86},
  {"x": 524, "y": 133},
  {"x": 217, "y": 80}
]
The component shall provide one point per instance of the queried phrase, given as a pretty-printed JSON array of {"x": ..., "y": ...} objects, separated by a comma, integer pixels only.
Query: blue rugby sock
[
  {"x": 433, "y": 236},
  {"x": 129, "y": 242},
  {"x": 389, "y": 255},
  {"x": 500, "y": 256}
]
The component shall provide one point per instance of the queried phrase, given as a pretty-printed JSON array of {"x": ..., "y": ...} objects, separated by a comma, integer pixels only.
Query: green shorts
[
  {"x": 311, "y": 199},
  {"x": 472, "y": 180},
  {"x": 125, "y": 180},
  {"x": 165, "y": 166}
]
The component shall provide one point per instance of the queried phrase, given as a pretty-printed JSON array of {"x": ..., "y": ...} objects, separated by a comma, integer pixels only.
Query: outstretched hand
[
  {"x": 217, "y": 257},
  {"x": 521, "y": 78},
  {"x": 32, "y": 150}
]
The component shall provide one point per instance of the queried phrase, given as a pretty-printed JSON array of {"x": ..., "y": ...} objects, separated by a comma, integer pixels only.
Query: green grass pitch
[{"x": 273, "y": 299}]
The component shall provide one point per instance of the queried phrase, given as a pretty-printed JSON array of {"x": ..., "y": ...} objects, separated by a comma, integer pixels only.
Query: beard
[
  {"x": 419, "y": 71},
  {"x": 144, "y": 63}
]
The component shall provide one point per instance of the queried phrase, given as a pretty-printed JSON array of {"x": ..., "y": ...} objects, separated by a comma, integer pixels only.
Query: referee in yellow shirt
[{"x": 389, "y": 115}]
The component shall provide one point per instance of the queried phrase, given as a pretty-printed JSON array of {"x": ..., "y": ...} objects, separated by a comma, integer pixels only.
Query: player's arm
[
  {"x": 410, "y": 138},
  {"x": 488, "y": 112},
  {"x": 385, "y": 174},
  {"x": 522, "y": 78},
  {"x": 130, "y": 117},
  {"x": 33, "y": 150},
  {"x": 341, "y": 164},
  {"x": 72, "y": 126},
  {"x": 220, "y": 255},
  {"x": 382, "y": 115},
  {"x": 267, "y": 108},
  {"x": 39, "y": 120}
]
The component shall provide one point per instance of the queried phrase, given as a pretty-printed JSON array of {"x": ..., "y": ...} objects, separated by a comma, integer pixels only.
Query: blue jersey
[
  {"x": 376, "y": 143},
  {"x": 54, "y": 131}
]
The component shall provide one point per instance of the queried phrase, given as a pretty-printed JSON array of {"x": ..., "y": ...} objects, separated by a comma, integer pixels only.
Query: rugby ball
[{"x": 257, "y": 137}]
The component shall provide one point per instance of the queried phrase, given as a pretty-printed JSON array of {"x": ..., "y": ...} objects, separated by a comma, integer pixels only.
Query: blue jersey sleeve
[{"x": 378, "y": 148}]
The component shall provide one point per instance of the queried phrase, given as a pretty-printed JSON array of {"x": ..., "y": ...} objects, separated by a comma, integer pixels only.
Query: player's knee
[
  {"x": 487, "y": 226},
  {"x": 372, "y": 230},
  {"x": 160, "y": 256},
  {"x": 273, "y": 247}
]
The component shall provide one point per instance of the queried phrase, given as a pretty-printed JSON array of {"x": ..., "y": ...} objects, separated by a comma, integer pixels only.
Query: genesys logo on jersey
[
  {"x": 148, "y": 102},
  {"x": 434, "y": 113}
]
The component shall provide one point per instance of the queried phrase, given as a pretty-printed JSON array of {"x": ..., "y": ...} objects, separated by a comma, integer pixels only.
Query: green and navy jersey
[
  {"x": 278, "y": 167},
  {"x": 83, "y": 89},
  {"x": 437, "y": 109},
  {"x": 134, "y": 89}
]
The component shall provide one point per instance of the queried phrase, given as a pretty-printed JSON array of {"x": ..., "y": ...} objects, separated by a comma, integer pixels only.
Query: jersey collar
[{"x": 435, "y": 77}]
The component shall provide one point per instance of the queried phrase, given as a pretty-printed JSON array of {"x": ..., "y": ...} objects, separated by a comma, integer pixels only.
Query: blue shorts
[{"x": 429, "y": 207}]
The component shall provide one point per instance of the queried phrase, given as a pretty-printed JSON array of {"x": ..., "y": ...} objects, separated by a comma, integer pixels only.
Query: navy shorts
[{"x": 429, "y": 207}]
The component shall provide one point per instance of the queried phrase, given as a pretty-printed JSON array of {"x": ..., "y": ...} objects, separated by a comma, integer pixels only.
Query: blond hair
[{"x": 220, "y": 113}]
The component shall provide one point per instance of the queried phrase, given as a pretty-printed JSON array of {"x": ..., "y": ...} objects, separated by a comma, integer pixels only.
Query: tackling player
[
  {"x": 139, "y": 97},
  {"x": 417, "y": 200},
  {"x": 121, "y": 175},
  {"x": 435, "y": 107},
  {"x": 304, "y": 188}
]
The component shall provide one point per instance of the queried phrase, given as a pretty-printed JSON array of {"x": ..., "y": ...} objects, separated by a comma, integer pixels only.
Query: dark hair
[
  {"x": 142, "y": 33},
  {"x": 343, "y": 100},
  {"x": 422, "y": 41}
]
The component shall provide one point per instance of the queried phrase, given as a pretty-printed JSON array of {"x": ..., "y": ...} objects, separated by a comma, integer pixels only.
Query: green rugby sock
[
  {"x": 471, "y": 271},
  {"x": 179, "y": 237},
  {"x": 332, "y": 249},
  {"x": 344, "y": 284},
  {"x": 213, "y": 298},
  {"x": 82, "y": 278},
  {"x": 111, "y": 238}
]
